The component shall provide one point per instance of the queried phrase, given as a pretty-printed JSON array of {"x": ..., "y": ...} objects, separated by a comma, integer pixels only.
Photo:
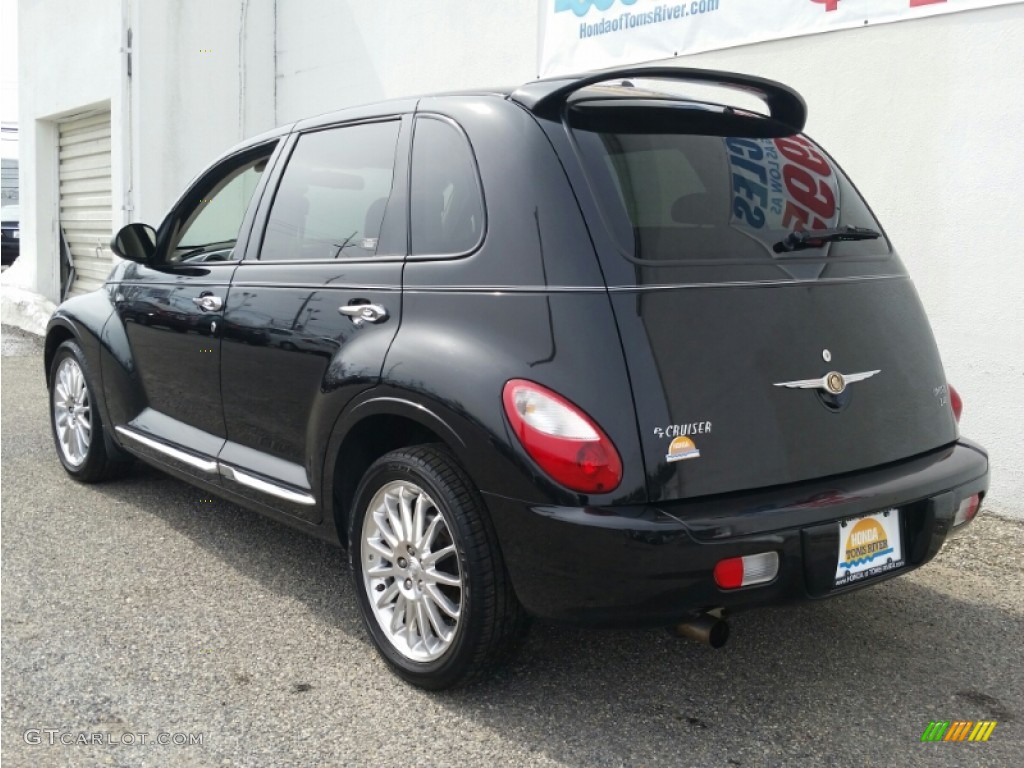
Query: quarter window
[
  {"x": 333, "y": 195},
  {"x": 447, "y": 204}
]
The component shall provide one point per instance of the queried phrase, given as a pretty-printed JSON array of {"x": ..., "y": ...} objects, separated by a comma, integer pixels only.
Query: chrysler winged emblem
[{"x": 833, "y": 382}]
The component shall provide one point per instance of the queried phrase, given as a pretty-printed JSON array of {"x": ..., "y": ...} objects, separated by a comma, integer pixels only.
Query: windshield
[{"x": 680, "y": 198}]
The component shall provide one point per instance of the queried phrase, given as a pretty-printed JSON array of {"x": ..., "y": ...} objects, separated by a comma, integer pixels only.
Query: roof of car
[{"x": 545, "y": 97}]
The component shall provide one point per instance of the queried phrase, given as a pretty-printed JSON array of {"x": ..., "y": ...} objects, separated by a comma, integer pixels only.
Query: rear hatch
[{"x": 732, "y": 333}]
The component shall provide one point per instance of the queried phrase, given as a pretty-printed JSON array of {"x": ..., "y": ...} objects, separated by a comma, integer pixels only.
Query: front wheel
[
  {"x": 428, "y": 572},
  {"x": 78, "y": 430}
]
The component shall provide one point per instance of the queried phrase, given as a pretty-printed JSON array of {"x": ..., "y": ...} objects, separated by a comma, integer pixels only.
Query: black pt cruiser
[{"x": 586, "y": 350}]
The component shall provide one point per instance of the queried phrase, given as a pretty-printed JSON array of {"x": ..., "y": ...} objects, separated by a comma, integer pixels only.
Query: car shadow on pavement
[
  {"x": 881, "y": 661},
  {"x": 281, "y": 559},
  {"x": 793, "y": 683}
]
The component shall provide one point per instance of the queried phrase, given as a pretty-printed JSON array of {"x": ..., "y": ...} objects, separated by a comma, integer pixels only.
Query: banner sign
[{"x": 579, "y": 35}]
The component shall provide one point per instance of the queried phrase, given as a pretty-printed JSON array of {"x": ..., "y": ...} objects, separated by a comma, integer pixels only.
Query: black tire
[
  {"x": 100, "y": 462},
  {"x": 492, "y": 623}
]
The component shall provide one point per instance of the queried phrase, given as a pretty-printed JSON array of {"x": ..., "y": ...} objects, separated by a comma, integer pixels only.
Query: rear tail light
[
  {"x": 561, "y": 438},
  {"x": 736, "y": 572},
  {"x": 967, "y": 510},
  {"x": 956, "y": 402}
]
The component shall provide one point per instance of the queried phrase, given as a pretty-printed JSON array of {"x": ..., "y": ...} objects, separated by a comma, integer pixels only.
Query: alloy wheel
[
  {"x": 411, "y": 571},
  {"x": 72, "y": 412}
]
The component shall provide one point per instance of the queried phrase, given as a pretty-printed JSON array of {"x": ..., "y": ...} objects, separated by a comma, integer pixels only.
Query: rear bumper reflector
[{"x": 746, "y": 571}]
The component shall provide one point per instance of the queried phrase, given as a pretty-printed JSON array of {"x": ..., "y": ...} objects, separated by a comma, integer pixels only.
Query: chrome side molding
[
  {"x": 213, "y": 467},
  {"x": 203, "y": 465},
  {"x": 265, "y": 486}
]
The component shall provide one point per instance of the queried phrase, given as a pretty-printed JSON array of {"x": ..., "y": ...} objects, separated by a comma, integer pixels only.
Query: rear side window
[
  {"x": 333, "y": 194},
  {"x": 682, "y": 198},
  {"x": 447, "y": 202}
]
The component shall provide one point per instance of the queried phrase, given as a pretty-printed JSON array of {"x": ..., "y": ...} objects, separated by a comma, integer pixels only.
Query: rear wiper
[
  {"x": 816, "y": 238},
  {"x": 343, "y": 245}
]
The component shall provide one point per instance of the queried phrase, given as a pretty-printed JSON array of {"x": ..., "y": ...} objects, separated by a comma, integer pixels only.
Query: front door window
[{"x": 208, "y": 233}]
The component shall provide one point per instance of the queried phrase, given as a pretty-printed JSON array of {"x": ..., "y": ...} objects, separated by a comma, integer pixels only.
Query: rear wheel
[
  {"x": 78, "y": 430},
  {"x": 428, "y": 572}
]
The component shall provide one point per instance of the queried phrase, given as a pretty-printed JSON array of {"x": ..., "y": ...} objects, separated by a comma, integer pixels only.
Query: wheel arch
[
  {"x": 58, "y": 331},
  {"x": 376, "y": 425},
  {"x": 85, "y": 329},
  {"x": 82, "y": 319}
]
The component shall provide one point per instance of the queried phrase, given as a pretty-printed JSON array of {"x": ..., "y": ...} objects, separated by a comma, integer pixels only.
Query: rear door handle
[
  {"x": 208, "y": 302},
  {"x": 364, "y": 313}
]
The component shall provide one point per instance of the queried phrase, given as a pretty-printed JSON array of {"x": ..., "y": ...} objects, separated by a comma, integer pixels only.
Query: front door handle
[
  {"x": 208, "y": 302},
  {"x": 364, "y": 313}
]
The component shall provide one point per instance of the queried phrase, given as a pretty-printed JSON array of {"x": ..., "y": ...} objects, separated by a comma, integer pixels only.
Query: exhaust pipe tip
[{"x": 705, "y": 629}]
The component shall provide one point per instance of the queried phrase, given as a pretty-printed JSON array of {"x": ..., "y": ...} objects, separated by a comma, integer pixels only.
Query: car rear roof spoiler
[{"x": 546, "y": 98}]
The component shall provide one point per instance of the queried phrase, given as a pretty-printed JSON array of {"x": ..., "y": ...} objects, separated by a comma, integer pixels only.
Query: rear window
[{"x": 674, "y": 198}]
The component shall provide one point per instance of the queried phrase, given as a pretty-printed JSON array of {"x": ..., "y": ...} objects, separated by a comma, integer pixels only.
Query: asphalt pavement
[{"x": 144, "y": 610}]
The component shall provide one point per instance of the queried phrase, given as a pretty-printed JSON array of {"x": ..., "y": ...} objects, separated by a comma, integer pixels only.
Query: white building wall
[
  {"x": 69, "y": 61},
  {"x": 924, "y": 116},
  {"x": 359, "y": 51},
  {"x": 203, "y": 80}
]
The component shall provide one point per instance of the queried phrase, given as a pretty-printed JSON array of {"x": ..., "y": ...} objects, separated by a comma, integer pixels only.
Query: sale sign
[
  {"x": 579, "y": 35},
  {"x": 780, "y": 186}
]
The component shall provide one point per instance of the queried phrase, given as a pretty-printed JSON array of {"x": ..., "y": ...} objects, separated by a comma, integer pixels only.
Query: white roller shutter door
[{"x": 85, "y": 198}]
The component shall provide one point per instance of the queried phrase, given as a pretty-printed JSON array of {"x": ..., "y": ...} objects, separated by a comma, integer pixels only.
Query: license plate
[{"x": 869, "y": 546}]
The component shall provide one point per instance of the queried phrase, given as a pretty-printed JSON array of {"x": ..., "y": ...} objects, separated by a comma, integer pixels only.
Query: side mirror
[{"x": 135, "y": 242}]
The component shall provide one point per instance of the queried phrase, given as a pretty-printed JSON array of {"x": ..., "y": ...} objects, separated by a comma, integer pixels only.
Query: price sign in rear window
[{"x": 781, "y": 185}]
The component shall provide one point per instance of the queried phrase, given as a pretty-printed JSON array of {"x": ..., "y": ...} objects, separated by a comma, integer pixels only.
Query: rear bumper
[{"x": 653, "y": 563}]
